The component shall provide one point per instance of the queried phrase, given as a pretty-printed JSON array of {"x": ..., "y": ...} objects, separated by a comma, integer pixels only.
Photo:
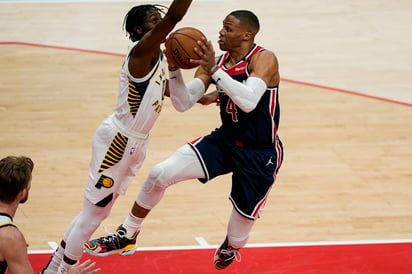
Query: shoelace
[
  {"x": 231, "y": 253},
  {"x": 111, "y": 238}
]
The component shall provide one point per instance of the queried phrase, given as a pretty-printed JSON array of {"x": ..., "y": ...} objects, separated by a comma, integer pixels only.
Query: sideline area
[{"x": 372, "y": 258}]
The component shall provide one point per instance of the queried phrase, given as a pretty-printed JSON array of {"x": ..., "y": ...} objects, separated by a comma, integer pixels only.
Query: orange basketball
[{"x": 180, "y": 46}]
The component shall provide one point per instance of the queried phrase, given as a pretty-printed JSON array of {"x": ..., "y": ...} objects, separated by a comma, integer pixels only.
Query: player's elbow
[
  {"x": 246, "y": 105},
  {"x": 178, "y": 105},
  {"x": 248, "y": 108},
  {"x": 181, "y": 108}
]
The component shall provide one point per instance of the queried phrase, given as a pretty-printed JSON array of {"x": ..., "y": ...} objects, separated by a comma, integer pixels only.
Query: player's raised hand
[
  {"x": 169, "y": 57},
  {"x": 207, "y": 54}
]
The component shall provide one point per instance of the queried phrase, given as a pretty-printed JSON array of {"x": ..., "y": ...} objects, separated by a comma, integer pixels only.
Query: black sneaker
[
  {"x": 225, "y": 254},
  {"x": 114, "y": 243}
]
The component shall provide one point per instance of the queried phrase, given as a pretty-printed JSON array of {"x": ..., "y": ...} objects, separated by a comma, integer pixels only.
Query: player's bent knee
[
  {"x": 155, "y": 172},
  {"x": 153, "y": 179},
  {"x": 161, "y": 176}
]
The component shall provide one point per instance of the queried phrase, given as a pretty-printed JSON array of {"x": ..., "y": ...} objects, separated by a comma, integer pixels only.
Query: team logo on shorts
[{"x": 104, "y": 181}]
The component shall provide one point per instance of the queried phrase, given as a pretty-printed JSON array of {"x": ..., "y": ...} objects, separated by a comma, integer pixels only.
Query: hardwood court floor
[
  {"x": 347, "y": 169},
  {"x": 346, "y": 174}
]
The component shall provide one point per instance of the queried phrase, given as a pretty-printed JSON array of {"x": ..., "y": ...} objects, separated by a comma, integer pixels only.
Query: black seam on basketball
[
  {"x": 180, "y": 64},
  {"x": 183, "y": 49},
  {"x": 188, "y": 36},
  {"x": 182, "y": 46}
]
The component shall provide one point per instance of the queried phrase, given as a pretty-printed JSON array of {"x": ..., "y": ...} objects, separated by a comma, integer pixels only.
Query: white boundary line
[
  {"x": 202, "y": 242},
  {"x": 204, "y": 245},
  {"x": 53, "y": 245}
]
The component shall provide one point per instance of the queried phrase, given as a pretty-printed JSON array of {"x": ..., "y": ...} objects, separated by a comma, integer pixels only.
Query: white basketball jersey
[{"x": 140, "y": 100}]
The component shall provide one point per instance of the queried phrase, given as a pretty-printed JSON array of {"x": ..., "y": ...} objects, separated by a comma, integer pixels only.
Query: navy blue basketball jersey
[
  {"x": 246, "y": 144},
  {"x": 258, "y": 127}
]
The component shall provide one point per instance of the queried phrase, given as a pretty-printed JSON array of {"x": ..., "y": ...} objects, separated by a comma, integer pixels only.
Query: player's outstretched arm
[{"x": 152, "y": 40}]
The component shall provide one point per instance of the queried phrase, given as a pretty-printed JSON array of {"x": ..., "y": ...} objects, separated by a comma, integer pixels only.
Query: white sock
[
  {"x": 237, "y": 242},
  {"x": 55, "y": 261},
  {"x": 132, "y": 224}
]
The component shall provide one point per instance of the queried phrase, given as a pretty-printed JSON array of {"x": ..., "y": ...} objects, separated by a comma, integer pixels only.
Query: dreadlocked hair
[{"x": 135, "y": 18}]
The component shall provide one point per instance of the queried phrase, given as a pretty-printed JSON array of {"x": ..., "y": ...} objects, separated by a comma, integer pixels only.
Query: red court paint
[{"x": 392, "y": 258}]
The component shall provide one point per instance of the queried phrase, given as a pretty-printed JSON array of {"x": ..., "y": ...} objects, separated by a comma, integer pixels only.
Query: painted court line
[
  {"x": 282, "y": 79},
  {"x": 202, "y": 241},
  {"x": 62, "y": 48},
  {"x": 348, "y": 92},
  {"x": 53, "y": 245}
]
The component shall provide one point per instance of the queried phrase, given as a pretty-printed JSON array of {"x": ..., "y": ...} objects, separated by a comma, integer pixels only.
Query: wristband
[{"x": 212, "y": 70}]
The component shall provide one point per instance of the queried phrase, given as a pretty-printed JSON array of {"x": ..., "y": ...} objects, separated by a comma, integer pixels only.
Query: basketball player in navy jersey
[
  {"x": 246, "y": 144},
  {"x": 120, "y": 142},
  {"x": 15, "y": 184}
]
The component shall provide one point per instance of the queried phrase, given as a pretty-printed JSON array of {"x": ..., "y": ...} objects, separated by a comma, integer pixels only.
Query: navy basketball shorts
[{"x": 253, "y": 169}]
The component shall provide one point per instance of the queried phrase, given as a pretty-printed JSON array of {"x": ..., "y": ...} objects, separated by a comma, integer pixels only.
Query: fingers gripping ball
[{"x": 180, "y": 46}]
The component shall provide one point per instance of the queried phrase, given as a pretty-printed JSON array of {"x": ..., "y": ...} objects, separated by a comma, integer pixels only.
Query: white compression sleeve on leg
[
  {"x": 184, "y": 96},
  {"x": 245, "y": 96},
  {"x": 85, "y": 225},
  {"x": 238, "y": 229},
  {"x": 180, "y": 166}
]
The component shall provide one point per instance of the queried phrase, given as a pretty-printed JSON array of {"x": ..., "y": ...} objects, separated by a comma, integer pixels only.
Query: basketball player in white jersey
[{"x": 120, "y": 142}]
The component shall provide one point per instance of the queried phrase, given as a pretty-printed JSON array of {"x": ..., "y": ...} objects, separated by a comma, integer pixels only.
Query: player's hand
[
  {"x": 85, "y": 268},
  {"x": 170, "y": 60},
  {"x": 209, "y": 98},
  {"x": 207, "y": 54}
]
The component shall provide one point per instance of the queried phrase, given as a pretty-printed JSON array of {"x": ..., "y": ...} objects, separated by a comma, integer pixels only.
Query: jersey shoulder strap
[{"x": 6, "y": 220}]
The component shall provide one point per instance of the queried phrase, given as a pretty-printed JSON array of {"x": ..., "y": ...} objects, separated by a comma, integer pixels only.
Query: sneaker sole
[
  {"x": 218, "y": 267},
  {"x": 127, "y": 252}
]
